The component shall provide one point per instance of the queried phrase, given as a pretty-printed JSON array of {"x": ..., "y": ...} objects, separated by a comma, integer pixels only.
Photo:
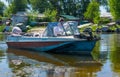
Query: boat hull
[
  {"x": 82, "y": 47},
  {"x": 38, "y": 46},
  {"x": 52, "y": 44},
  {"x": 55, "y": 46}
]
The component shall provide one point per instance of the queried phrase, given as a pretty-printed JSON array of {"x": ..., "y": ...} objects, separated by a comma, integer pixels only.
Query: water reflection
[
  {"x": 102, "y": 62},
  {"x": 109, "y": 42},
  {"x": 5, "y": 71},
  {"x": 110, "y": 45},
  {"x": 114, "y": 55},
  {"x": 56, "y": 64}
]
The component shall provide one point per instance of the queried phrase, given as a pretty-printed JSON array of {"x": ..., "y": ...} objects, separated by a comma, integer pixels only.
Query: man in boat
[{"x": 59, "y": 29}]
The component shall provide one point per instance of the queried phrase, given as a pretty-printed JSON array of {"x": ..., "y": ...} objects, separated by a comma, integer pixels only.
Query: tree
[
  {"x": 15, "y": 6},
  {"x": 115, "y": 8},
  {"x": 19, "y": 5},
  {"x": 93, "y": 12},
  {"x": 51, "y": 15},
  {"x": 55, "y": 4},
  {"x": 32, "y": 15},
  {"x": 8, "y": 11},
  {"x": 40, "y": 5},
  {"x": 2, "y": 7}
]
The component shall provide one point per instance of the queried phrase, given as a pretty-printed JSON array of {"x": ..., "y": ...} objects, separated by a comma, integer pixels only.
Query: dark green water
[{"x": 104, "y": 61}]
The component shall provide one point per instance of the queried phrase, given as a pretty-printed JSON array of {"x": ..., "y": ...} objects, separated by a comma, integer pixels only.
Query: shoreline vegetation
[
  {"x": 82, "y": 28},
  {"x": 94, "y": 27}
]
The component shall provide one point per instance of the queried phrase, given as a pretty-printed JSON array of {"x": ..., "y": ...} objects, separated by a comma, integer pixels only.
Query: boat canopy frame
[{"x": 69, "y": 28}]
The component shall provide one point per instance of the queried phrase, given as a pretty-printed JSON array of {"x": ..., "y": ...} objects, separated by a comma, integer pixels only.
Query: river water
[{"x": 104, "y": 61}]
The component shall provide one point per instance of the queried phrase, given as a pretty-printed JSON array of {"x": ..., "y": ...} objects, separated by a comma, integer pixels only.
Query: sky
[
  {"x": 102, "y": 9},
  {"x": 4, "y": 2}
]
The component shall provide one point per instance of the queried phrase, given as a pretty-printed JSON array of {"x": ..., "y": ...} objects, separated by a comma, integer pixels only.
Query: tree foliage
[
  {"x": 32, "y": 15},
  {"x": 15, "y": 6},
  {"x": 93, "y": 12},
  {"x": 83, "y": 6},
  {"x": 115, "y": 8},
  {"x": 69, "y": 7},
  {"x": 40, "y": 5},
  {"x": 50, "y": 15},
  {"x": 19, "y": 5},
  {"x": 8, "y": 11},
  {"x": 2, "y": 7}
]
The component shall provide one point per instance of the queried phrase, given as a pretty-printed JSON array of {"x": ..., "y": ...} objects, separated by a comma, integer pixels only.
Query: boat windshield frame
[{"x": 70, "y": 28}]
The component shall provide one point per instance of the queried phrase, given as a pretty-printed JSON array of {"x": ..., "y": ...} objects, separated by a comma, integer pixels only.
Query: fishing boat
[{"x": 70, "y": 39}]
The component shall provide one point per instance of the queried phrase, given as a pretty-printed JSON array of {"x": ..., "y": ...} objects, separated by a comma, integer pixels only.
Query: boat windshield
[{"x": 67, "y": 29}]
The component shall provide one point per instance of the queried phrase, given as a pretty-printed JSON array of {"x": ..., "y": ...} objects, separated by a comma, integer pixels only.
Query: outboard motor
[
  {"x": 90, "y": 37},
  {"x": 89, "y": 32}
]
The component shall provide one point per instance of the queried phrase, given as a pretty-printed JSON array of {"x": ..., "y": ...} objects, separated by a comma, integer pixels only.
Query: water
[{"x": 104, "y": 61}]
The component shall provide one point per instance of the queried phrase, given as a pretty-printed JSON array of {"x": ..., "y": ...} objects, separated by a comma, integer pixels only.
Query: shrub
[
  {"x": 104, "y": 20},
  {"x": 50, "y": 15},
  {"x": 1, "y": 28}
]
